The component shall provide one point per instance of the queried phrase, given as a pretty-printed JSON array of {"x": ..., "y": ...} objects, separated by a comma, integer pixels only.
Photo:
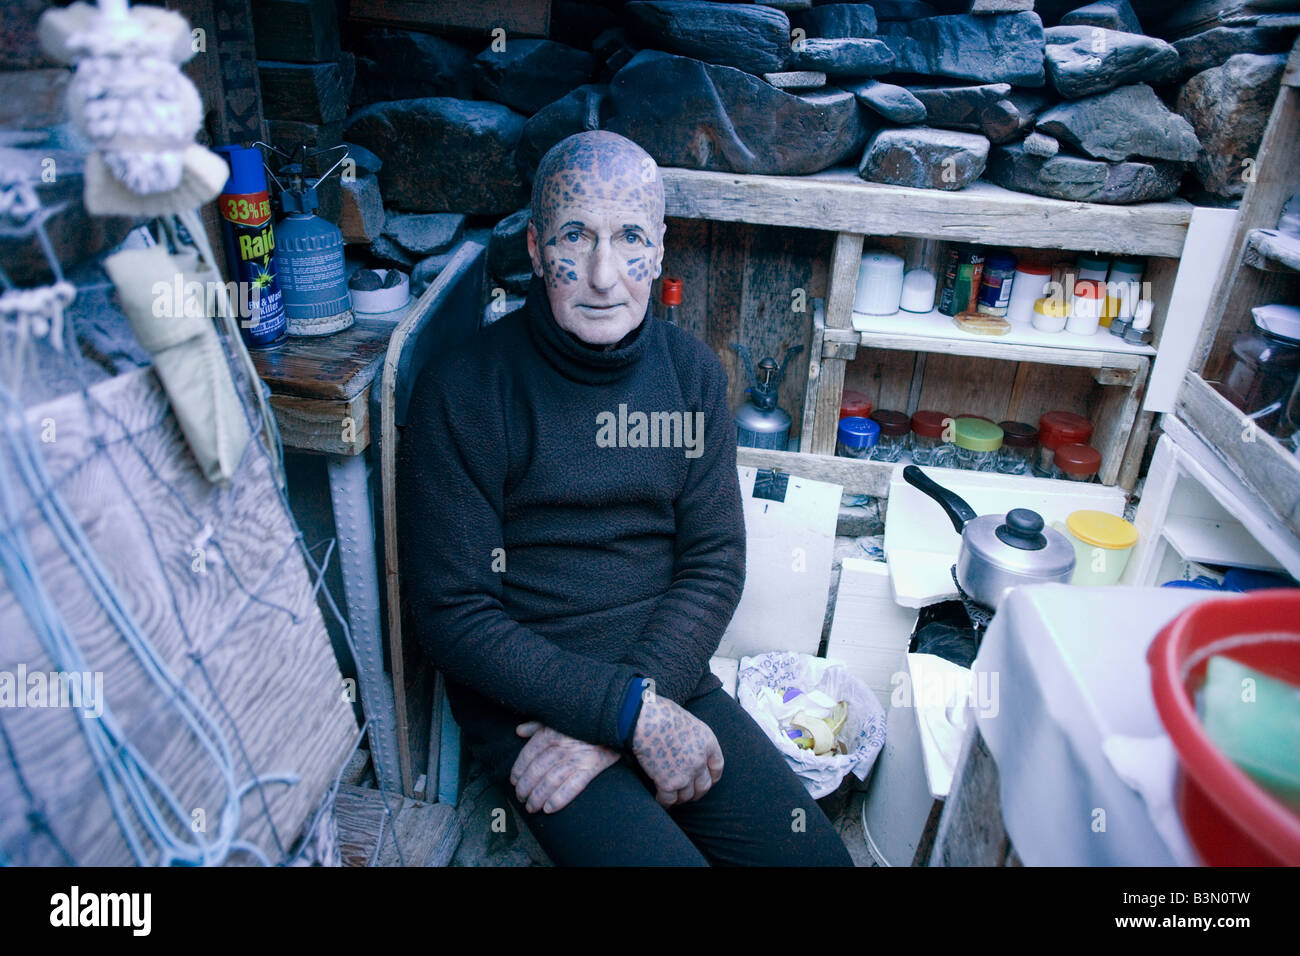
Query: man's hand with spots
[
  {"x": 677, "y": 750},
  {"x": 553, "y": 769}
]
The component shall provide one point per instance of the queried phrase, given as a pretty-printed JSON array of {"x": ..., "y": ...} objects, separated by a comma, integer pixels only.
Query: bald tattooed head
[
  {"x": 596, "y": 164},
  {"x": 596, "y": 232}
]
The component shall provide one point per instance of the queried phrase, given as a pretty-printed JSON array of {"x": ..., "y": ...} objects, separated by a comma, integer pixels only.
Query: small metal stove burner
[{"x": 979, "y": 614}]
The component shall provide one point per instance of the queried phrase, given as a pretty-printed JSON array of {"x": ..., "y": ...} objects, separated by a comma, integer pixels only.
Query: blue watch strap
[{"x": 632, "y": 699}]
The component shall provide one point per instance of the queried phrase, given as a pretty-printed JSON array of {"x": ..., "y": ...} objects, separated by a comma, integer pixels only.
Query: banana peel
[{"x": 818, "y": 733}]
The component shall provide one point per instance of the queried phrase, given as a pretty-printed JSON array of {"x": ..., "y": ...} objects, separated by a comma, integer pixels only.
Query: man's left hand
[{"x": 553, "y": 769}]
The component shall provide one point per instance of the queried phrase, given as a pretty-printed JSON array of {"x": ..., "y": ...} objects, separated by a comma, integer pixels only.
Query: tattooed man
[{"x": 574, "y": 547}]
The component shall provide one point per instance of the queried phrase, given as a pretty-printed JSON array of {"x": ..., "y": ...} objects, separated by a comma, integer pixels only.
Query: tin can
[
  {"x": 963, "y": 268},
  {"x": 996, "y": 283},
  {"x": 245, "y": 208}
]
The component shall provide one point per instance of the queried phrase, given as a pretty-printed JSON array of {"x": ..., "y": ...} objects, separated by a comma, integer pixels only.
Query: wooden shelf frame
[
  {"x": 1263, "y": 464},
  {"x": 838, "y": 200}
]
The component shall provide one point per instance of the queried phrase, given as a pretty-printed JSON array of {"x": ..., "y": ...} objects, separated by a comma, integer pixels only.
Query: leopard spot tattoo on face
[{"x": 597, "y": 228}]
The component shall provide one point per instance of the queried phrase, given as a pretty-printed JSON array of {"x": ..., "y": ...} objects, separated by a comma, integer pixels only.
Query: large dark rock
[
  {"x": 1082, "y": 61},
  {"x": 578, "y": 24},
  {"x": 748, "y": 37},
  {"x": 1108, "y": 14},
  {"x": 894, "y": 103},
  {"x": 902, "y": 9},
  {"x": 991, "y": 108},
  {"x": 924, "y": 157},
  {"x": 444, "y": 155},
  {"x": 843, "y": 57},
  {"x": 578, "y": 111},
  {"x": 1229, "y": 107},
  {"x": 1082, "y": 180},
  {"x": 507, "y": 249},
  {"x": 985, "y": 49},
  {"x": 401, "y": 64},
  {"x": 841, "y": 20},
  {"x": 1202, "y": 51},
  {"x": 1120, "y": 124},
  {"x": 422, "y": 234},
  {"x": 528, "y": 74},
  {"x": 726, "y": 119}
]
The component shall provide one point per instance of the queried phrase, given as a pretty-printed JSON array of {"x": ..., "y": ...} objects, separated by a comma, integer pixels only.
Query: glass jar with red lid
[
  {"x": 1059, "y": 428},
  {"x": 853, "y": 404},
  {"x": 894, "y": 429},
  {"x": 929, "y": 446},
  {"x": 1019, "y": 442},
  {"x": 1076, "y": 462}
]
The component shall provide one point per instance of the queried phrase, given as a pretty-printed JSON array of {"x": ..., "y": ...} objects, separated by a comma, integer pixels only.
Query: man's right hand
[{"x": 677, "y": 750}]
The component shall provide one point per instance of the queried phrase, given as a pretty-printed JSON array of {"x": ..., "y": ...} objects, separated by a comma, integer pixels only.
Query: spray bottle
[{"x": 245, "y": 208}]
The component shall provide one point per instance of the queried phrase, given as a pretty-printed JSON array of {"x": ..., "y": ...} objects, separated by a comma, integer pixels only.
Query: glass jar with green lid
[{"x": 977, "y": 442}]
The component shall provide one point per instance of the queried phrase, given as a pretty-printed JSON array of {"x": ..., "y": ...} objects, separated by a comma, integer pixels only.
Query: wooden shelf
[
  {"x": 1272, "y": 251},
  {"x": 1255, "y": 457},
  {"x": 934, "y": 332},
  {"x": 1206, "y": 541},
  {"x": 838, "y": 200}
]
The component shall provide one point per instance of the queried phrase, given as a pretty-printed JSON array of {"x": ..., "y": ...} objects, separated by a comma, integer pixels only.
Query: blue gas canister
[
  {"x": 313, "y": 273},
  {"x": 245, "y": 208}
]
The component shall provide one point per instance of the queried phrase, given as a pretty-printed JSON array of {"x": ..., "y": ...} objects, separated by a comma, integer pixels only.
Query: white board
[{"x": 789, "y": 546}]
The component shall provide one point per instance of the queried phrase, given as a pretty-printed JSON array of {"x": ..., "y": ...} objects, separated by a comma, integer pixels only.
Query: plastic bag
[{"x": 762, "y": 684}]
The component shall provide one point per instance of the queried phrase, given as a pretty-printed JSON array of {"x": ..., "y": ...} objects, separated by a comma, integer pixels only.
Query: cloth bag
[
  {"x": 762, "y": 683},
  {"x": 186, "y": 351}
]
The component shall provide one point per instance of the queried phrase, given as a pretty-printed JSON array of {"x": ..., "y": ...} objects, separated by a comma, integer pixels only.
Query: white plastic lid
[
  {"x": 880, "y": 262},
  {"x": 1283, "y": 320}
]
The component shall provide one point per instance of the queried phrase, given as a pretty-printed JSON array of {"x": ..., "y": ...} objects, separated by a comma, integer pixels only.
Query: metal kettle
[{"x": 999, "y": 552}]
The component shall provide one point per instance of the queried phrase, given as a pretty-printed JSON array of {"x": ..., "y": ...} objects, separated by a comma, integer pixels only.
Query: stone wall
[{"x": 1091, "y": 102}]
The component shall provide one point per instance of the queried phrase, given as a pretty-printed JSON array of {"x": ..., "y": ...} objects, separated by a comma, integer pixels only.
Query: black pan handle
[{"x": 951, "y": 502}]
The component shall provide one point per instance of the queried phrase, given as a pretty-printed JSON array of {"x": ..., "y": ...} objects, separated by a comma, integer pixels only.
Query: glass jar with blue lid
[{"x": 856, "y": 437}]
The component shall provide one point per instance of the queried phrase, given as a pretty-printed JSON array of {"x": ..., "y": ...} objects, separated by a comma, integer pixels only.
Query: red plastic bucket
[{"x": 1230, "y": 819}]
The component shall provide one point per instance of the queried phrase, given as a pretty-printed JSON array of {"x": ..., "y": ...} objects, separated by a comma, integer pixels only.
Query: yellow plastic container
[{"x": 1102, "y": 545}]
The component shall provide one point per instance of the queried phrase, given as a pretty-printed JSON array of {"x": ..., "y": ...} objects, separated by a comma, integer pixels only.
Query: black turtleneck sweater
[{"x": 546, "y": 558}]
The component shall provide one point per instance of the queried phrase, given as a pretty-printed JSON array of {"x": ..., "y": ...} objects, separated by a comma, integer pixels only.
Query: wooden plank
[
  {"x": 1113, "y": 425},
  {"x": 323, "y": 427},
  {"x": 838, "y": 200},
  {"x": 332, "y": 367},
  {"x": 857, "y": 477},
  {"x": 1131, "y": 465},
  {"x": 206, "y": 572},
  {"x": 307, "y": 92},
  {"x": 970, "y": 830},
  {"x": 1239, "y": 290},
  {"x": 885, "y": 376},
  {"x": 1256, "y": 458},
  {"x": 1045, "y": 388},
  {"x": 687, "y": 244},
  {"x": 965, "y": 386},
  {"x": 727, "y": 256},
  {"x": 846, "y": 258},
  {"x": 522, "y": 17},
  {"x": 776, "y": 307},
  {"x": 830, "y": 391},
  {"x": 1272, "y": 251},
  {"x": 977, "y": 347},
  {"x": 360, "y": 816},
  {"x": 813, "y": 384}
]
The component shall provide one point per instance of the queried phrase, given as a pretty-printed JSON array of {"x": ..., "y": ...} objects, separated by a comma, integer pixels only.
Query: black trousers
[{"x": 757, "y": 814}]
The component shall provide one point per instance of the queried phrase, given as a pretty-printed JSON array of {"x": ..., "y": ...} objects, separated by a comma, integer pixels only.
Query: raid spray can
[
  {"x": 760, "y": 422},
  {"x": 245, "y": 207},
  {"x": 313, "y": 273}
]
